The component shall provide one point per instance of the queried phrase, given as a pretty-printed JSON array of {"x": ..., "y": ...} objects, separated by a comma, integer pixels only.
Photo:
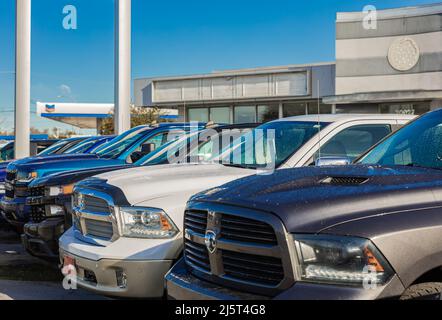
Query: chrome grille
[
  {"x": 249, "y": 252},
  {"x": 93, "y": 218},
  {"x": 100, "y": 229}
]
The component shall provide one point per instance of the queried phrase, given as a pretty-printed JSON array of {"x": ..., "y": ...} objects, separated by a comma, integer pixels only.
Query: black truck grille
[
  {"x": 11, "y": 175},
  {"x": 247, "y": 230},
  {"x": 236, "y": 265},
  {"x": 196, "y": 220},
  {"x": 197, "y": 255},
  {"x": 38, "y": 214},
  {"x": 253, "y": 268},
  {"x": 9, "y": 194},
  {"x": 37, "y": 192}
]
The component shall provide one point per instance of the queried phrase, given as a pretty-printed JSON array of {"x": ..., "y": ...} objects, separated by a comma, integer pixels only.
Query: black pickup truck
[{"x": 371, "y": 230}]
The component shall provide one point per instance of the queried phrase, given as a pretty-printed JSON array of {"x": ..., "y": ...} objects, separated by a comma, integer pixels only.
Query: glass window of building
[
  {"x": 268, "y": 113},
  {"x": 323, "y": 108},
  {"x": 220, "y": 114},
  {"x": 294, "y": 109},
  {"x": 245, "y": 114},
  {"x": 199, "y": 114}
]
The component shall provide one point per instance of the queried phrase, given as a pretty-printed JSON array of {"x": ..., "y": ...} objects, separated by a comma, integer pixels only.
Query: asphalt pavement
[{"x": 23, "y": 277}]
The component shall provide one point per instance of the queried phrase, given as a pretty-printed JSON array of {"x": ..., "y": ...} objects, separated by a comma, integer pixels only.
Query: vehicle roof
[{"x": 347, "y": 117}]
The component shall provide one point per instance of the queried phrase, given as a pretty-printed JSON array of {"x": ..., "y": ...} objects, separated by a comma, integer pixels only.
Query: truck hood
[
  {"x": 143, "y": 184},
  {"x": 69, "y": 177},
  {"x": 44, "y": 168},
  {"x": 310, "y": 200},
  {"x": 55, "y": 157}
]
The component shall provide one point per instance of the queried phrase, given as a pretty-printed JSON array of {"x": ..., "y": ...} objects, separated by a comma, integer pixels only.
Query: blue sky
[{"x": 169, "y": 38}]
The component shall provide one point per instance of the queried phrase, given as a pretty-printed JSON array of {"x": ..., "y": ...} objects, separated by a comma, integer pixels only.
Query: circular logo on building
[{"x": 403, "y": 54}]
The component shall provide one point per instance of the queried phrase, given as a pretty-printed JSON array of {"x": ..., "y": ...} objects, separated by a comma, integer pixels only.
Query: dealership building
[{"x": 391, "y": 65}]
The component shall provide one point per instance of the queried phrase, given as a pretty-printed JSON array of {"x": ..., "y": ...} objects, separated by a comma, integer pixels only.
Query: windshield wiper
[{"x": 242, "y": 166}]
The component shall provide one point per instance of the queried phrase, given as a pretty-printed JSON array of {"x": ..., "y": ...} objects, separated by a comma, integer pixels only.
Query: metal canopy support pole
[
  {"x": 22, "y": 78},
  {"x": 122, "y": 65}
]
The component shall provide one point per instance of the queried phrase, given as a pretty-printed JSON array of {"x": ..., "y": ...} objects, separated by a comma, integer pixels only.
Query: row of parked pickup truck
[{"x": 310, "y": 207}]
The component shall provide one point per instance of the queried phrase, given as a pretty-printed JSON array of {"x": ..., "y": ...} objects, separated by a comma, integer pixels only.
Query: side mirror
[
  {"x": 147, "y": 148},
  {"x": 332, "y": 161}
]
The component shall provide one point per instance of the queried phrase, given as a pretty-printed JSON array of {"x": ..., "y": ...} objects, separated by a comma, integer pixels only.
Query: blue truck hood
[
  {"x": 44, "y": 168},
  {"x": 69, "y": 177},
  {"x": 56, "y": 157}
]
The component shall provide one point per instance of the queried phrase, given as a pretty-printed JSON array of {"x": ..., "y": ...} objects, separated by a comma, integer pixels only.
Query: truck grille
[
  {"x": 248, "y": 250},
  {"x": 94, "y": 204},
  {"x": 196, "y": 220},
  {"x": 247, "y": 230},
  {"x": 37, "y": 192},
  {"x": 197, "y": 254},
  {"x": 11, "y": 176},
  {"x": 92, "y": 216},
  {"x": 9, "y": 194},
  {"x": 99, "y": 229},
  {"x": 253, "y": 268},
  {"x": 38, "y": 213}
]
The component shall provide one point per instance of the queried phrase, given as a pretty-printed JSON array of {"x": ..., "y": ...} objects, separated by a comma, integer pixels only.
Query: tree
[{"x": 139, "y": 116}]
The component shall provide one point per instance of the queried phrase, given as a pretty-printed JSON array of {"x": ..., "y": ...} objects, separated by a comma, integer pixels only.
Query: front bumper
[
  {"x": 142, "y": 279},
  {"x": 41, "y": 239},
  {"x": 41, "y": 235},
  {"x": 182, "y": 285},
  {"x": 144, "y": 262},
  {"x": 15, "y": 211}
]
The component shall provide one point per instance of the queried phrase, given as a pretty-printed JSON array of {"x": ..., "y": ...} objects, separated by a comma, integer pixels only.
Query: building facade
[
  {"x": 392, "y": 65},
  {"x": 240, "y": 96}
]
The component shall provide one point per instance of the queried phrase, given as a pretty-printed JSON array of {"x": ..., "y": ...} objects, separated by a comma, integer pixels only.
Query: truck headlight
[
  {"x": 149, "y": 223},
  {"x": 341, "y": 260},
  {"x": 25, "y": 177},
  {"x": 61, "y": 190}
]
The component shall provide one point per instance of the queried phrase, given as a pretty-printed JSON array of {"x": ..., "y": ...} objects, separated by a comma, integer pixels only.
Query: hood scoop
[{"x": 345, "y": 180}]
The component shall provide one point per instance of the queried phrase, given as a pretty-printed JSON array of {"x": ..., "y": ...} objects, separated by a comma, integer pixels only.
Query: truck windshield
[
  {"x": 114, "y": 148},
  {"x": 194, "y": 147},
  {"x": 54, "y": 148},
  {"x": 82, "y": 146},
  {"x": 418, "y": 144},
  {"x": 269, "y": 145}
]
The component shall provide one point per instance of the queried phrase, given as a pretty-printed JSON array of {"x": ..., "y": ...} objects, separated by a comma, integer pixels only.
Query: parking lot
[{"x": 23, "y": 277}]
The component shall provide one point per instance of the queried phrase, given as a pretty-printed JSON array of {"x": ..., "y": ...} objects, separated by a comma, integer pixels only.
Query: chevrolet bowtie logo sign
[{"x": 50, "y": 107}]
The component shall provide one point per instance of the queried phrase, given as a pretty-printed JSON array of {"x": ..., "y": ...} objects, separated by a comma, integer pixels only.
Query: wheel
[{"x": 423, "y": 291}]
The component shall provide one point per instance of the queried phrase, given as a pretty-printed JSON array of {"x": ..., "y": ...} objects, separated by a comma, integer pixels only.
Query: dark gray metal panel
[
  {"x": 390, "y": 27},
  {"x": 428, "y": 62}
]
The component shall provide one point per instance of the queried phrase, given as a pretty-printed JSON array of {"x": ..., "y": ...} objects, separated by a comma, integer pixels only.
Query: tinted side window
[{"x": 353, "y": 141}]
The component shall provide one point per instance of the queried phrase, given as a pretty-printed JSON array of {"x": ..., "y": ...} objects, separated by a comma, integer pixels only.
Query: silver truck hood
[{"x": 143, "y": 184}]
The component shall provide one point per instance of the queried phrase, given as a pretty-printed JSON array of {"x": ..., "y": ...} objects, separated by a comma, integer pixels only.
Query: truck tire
[{"x": 423, "y": 291}]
